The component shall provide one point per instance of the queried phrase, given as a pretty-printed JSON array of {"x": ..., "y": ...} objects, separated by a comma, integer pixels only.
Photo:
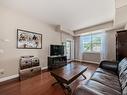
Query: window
[
  {"x": 92, "y": 42},
  {"x": 68, "y": 49}
]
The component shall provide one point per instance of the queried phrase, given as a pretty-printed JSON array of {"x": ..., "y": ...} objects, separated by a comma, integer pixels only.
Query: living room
[{"x": 84, "y": 31}]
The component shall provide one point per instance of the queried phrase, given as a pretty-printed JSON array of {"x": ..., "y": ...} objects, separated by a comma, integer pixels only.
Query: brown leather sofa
[{"x": 106, "y": 80}]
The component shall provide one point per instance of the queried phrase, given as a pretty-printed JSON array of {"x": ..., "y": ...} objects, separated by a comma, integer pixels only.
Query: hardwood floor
[{"x": 41, "y": 84}]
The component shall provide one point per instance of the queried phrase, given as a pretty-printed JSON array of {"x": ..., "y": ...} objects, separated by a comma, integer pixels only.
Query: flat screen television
[{"x": 56, "y": 50}]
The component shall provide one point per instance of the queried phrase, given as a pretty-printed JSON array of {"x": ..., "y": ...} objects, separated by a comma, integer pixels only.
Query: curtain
[
  {"x": 81, "y": 48},
  {"x": 104, "y": 47}
]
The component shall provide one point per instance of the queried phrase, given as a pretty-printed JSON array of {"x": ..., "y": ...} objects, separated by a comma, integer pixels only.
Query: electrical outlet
[{"x": 1, "y": 71}]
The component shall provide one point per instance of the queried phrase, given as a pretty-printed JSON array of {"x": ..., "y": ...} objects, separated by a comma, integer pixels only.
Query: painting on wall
[{"x": 28, "y": 40}]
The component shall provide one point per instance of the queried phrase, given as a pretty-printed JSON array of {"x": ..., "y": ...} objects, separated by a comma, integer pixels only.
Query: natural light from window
[{"x": 92, "y": 42}]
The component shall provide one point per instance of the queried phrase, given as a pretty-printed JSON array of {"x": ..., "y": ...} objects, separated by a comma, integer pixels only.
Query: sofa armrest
[
  {"x": 85, "y": 90},
  {"x": 109, "y": 65}
]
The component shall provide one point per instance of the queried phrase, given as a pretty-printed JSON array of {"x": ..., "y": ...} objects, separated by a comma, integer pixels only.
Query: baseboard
[
  {"x": 43, "y": 68},
  {"x": 92, "y": 62},
  {"x": 87, "y": 61},
  {"x": 15, "y": 76},
  {"x": 9, "y": 78}
]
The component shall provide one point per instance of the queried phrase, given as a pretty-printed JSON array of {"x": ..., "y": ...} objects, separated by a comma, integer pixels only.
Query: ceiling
[
  {"x": 120, "y": 3},
  {"x": 72, "y": 14}
]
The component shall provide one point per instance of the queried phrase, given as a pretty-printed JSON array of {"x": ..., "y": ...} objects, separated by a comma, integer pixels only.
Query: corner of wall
[{"x": 126, "y": 26}]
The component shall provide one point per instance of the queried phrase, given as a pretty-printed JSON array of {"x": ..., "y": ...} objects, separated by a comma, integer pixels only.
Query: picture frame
[{"x": 28, "y": 40}]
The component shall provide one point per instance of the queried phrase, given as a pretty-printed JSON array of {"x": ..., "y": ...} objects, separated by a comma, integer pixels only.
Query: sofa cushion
[
  {"x": 111, "y": 80},
  {"x": 122, "y": 69},
  {"x": 123, "y": 79},
  {"x": 108, "y": 72},
  {"x": 122, "y": 66},
  {"x": 124, "y": 92},
  {"x": 101, "y": 88}
]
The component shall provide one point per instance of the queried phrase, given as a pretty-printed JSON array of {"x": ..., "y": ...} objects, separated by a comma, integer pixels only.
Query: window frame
[{"x": 91, "y": 43}]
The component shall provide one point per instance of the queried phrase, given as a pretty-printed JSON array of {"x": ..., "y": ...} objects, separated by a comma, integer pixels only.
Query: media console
[{"x": 55, "y": 62}]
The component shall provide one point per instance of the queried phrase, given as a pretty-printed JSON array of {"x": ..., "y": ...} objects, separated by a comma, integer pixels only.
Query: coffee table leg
[
  {"x": 84, "y": 76},
  {"x": 67, "y": 88},
  {"x": 64, "y": 87},
  {"x": 55, "y": 83}
]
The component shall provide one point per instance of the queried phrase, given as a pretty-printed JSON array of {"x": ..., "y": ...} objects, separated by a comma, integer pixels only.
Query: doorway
[{"x": 68, "y": 49}]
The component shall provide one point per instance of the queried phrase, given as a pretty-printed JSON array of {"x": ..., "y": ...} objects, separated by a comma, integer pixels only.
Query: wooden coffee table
[{"x": 67, "y": 74}]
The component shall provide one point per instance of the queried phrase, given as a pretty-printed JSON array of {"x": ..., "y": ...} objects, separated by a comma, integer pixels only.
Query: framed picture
[{"x": 28, "y": 40}]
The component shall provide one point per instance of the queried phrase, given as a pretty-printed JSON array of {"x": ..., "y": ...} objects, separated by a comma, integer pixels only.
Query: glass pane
[
  {"x": 68, "y": 49},
  {"x": 87, "y": 39},
  {"x": 96, "y": 38},
  {"x": 87, "y": 47},
  {"x": 96, "y": 47}
]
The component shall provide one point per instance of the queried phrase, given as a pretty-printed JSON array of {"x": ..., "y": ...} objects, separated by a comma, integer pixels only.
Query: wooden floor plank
[{"x": 42, "y": 84}]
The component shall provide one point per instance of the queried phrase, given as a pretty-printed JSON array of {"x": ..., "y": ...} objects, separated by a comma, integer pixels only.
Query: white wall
[
  {"x": 101, "y": 26},
  {"x": 126, "y": 26},
  {"x": 121, "y": 16},
  {"x": 120, "y": 3},
  {"x": 111, "y": 45},
  {"x": 9, "y": 22}
]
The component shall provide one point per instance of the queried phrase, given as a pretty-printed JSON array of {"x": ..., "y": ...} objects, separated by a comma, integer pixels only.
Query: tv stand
[{"x": 55, "y": 62}]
